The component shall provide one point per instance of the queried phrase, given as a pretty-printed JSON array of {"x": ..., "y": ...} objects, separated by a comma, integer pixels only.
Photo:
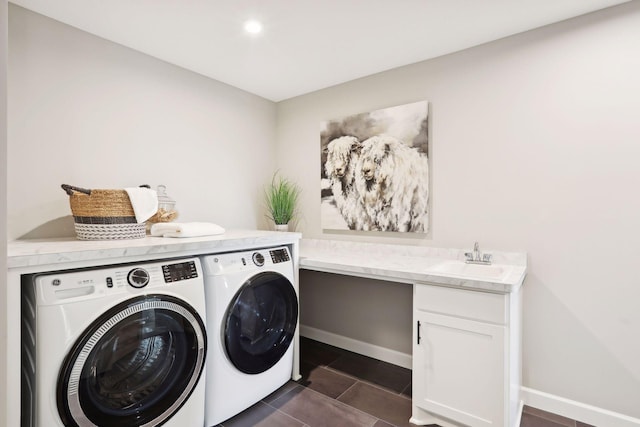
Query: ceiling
[{"x": 306, "y": 45}]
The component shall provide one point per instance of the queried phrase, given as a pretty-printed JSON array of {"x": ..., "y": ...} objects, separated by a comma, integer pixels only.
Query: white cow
[{"x": 393, "y": 185}]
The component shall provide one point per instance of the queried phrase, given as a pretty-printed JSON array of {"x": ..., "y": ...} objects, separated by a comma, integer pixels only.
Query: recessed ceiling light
[{"x": 253, "y": 27}]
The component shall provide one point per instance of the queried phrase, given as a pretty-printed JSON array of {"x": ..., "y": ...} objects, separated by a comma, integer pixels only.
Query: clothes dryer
[
  {"x": 252, "y": 314},
  {"x": 119, "y": 346}
]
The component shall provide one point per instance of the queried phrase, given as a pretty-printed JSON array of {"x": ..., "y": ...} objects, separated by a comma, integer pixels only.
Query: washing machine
[
  {"x": 116, "y": 346},
  {"x": 252, "y": 313}
]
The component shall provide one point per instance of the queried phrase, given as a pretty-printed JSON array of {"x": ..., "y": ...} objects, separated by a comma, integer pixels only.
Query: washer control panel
[
  {"x": 66, "y": 286},
  {"x": 179, "y": 271}
]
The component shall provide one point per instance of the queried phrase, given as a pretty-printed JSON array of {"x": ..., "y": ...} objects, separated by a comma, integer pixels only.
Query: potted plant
[{"x": 281, "y": 198}]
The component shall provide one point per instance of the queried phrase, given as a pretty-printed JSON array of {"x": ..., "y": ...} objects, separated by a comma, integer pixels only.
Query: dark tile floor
[{"x": 344, "y": 389}]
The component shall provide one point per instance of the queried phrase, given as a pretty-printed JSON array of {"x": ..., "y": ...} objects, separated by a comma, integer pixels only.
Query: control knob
[
  {"x": 258, "y": 259},
  {"x": 138, "y": 277}
]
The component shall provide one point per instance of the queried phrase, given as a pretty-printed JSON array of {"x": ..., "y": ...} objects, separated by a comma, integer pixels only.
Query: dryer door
[
  {"x": 260, "y": 322},
  {"x": 134, "y": 366}
]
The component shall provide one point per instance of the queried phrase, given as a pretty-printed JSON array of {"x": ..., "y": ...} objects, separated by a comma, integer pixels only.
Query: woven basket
[{"x": 103, "y": 214}]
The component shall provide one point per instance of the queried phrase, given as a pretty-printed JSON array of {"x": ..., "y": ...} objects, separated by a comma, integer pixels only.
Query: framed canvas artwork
[{"x": 375, "y": 170}]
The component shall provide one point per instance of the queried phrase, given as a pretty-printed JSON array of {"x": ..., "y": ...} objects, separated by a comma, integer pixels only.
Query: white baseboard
[
  {"x": 386, "y": 355},
  {"x": 576, "y": 410}
]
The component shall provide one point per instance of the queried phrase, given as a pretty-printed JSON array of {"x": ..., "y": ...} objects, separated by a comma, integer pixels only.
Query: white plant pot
[{"x": 282, "y": 227}]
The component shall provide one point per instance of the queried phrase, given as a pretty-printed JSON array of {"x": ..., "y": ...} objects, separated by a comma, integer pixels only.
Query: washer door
[
  {"x": 134, "y": 366},
  {"x": 260, "y": 322}
]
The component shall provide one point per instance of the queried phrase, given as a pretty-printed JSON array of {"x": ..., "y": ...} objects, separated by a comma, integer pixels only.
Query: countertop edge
[
  {"x": 410, "y": 278},
  {"x": 33, "y": 253},
  {"x": 399, "y": 265}
]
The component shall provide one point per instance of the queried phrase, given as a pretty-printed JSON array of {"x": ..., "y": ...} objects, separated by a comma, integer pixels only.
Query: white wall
[
  {"x": 91, "y": 113},
  {"x": 3, "y": 211},
  {"x": 535, "y": 141}
]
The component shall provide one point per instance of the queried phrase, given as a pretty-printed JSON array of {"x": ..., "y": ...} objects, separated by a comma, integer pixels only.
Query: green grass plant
[{"x": 281, "y": 198}]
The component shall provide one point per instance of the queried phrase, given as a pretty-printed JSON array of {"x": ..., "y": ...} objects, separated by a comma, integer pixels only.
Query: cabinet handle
[{"x": 418, "y": 331}]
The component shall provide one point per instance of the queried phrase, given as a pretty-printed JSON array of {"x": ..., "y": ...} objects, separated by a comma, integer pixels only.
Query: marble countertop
[
  {"x": 410, "y": 264},
  {"x": 33, "y": 253},
  {"x": 400, "y": 263}
]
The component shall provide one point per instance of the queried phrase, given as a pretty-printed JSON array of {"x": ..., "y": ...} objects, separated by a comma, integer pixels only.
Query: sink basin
[{"x": 473, "y": 271}]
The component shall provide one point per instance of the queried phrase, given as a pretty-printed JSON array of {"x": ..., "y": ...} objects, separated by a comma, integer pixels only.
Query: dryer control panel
[
  {"x": 279, "y": 255},
  {"x": 278, "y": 258}
]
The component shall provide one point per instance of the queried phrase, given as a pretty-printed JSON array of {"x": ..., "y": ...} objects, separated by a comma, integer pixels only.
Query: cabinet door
[{"x": 459, "y": 369}]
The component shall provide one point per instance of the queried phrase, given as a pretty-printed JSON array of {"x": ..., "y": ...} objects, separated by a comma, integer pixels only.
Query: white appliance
[
  {"x": 116, "y": 346},
  {"x": 252, "y": 313}
]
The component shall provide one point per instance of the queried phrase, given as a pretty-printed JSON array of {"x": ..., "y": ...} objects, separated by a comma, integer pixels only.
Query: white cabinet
[{"x": 466, "y": 357}]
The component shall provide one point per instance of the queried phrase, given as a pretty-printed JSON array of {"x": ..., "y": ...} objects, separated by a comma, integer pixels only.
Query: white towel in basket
[
  {"x": 144, "y": 202},
  {"x": 185, "y": 229}
]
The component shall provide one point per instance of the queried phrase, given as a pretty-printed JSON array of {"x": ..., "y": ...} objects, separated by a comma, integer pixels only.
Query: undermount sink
[{"x": 475, "y": 271}]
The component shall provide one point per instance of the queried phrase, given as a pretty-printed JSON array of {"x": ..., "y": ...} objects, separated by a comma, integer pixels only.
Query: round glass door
[
  {"x": 134, "y": 366},
  {"x": 260, "y": 322}
]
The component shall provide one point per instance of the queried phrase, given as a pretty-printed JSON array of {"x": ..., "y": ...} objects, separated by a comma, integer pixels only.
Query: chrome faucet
[{"x": 476, "y": 257}]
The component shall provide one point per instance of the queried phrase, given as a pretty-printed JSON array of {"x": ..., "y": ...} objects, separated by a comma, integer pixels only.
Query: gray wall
[
  {"x": 88, "y": 112},
  {"x": 376, "y": 311},
  {"x": 534, "y": 147},
  {"x": 3, "y": 192}
]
